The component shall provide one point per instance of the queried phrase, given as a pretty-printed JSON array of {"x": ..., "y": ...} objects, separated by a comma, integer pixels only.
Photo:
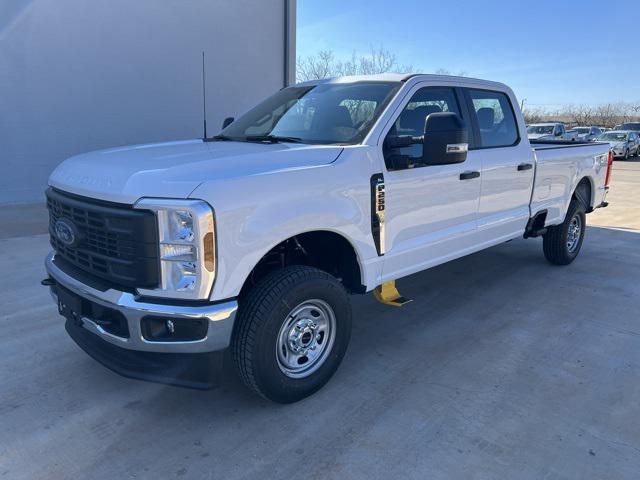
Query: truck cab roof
[{"x": 405, "y": 77}]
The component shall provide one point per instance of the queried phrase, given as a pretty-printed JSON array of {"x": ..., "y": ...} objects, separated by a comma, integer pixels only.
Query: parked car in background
[
  {"x": 634, "y": 142},
  {"x": 635, "y": 126},
  {"x": 623, "y": 144},
  {"x": 588, "y": 134},
  {"x": 550, "y": 131}
]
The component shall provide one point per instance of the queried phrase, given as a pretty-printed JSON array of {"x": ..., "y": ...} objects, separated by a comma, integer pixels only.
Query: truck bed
[{"x": 560, "y": 165}]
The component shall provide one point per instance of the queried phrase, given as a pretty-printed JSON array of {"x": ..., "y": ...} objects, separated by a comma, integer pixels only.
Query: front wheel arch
[{"x": 325, "y": 250}]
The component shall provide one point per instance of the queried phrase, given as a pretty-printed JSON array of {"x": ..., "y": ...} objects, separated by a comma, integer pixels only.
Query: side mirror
[
  {"x": 227, "y": 121},
  {"x": 446, "y": 139}
]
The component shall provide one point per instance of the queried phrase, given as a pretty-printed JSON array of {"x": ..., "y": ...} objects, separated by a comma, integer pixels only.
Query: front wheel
[
  {"x": 291, "y": 333},
  {"x": 626, "y": 154},
  {"x": 561, "y": 244}
]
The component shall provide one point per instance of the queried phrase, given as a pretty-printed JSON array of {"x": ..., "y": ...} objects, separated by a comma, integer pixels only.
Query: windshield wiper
[
  {"x": 219, "y": 137},
  {"x": 272, "y": 139}
]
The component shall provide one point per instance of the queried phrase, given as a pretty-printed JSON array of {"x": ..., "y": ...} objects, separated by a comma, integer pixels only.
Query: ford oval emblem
[{"x": 65, "y": 231}]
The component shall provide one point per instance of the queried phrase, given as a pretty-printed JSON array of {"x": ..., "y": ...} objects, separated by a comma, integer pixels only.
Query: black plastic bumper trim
[{"x": 200, "y": 371}]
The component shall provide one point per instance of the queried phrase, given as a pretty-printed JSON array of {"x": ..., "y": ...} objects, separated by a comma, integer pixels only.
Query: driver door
[{"x": 430, "y": 211}]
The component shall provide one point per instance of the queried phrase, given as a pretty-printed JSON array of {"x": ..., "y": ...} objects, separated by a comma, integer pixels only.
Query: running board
[{"x": 388, "y": 294}]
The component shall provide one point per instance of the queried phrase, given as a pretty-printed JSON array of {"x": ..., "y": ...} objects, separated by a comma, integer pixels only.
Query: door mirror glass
[{"x": 445, "y": 140}]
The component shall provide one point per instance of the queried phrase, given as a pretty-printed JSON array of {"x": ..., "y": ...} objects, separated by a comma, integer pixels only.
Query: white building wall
[{"x": 79, "y": 75}]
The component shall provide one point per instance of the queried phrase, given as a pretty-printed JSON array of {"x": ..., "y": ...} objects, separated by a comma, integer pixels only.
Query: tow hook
[
  {"x": 48, "y": 282},
  {"x": 388, "y": 294}
]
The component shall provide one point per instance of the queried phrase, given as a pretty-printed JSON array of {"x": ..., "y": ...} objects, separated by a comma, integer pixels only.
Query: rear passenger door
[{"x": 507, "y": 166}]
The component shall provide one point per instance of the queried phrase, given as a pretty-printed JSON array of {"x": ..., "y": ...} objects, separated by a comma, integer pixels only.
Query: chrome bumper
[{"x": 220, "y": 316}]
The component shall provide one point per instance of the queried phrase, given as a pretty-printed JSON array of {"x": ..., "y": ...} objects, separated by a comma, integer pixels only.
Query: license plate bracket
[{"x": 69, "y": 304}]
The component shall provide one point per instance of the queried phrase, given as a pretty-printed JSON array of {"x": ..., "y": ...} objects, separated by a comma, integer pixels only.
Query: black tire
[
  {"x": 626, "y": 154},
  {"x": 555, "y": 244},
  {"x": 262, "y": 316}
]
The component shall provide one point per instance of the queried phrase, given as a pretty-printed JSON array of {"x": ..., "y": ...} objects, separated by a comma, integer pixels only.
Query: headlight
[{"x": 187, "y": 248}]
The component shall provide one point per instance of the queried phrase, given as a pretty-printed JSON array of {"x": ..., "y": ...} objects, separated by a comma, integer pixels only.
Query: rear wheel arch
[{"x": 584, "y": 192}]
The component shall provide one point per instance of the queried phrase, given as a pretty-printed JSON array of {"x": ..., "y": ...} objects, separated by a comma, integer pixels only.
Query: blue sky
[{"x": 550, "y": 52}]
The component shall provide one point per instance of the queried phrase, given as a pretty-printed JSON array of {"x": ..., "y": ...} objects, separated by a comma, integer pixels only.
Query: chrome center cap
[{"x": 302, "y": 336}]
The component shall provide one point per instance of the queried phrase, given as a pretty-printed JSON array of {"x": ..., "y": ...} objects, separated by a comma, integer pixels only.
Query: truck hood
[{"x": 175, "y": 169}]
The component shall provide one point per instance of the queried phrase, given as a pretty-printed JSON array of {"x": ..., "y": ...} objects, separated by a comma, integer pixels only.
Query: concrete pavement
[{"x": 503, "y": 367}]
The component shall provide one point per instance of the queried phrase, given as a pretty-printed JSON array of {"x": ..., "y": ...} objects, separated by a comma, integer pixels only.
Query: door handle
[
  {"x": 524, "y": 166},
  {"x": 469, "y": 175}
]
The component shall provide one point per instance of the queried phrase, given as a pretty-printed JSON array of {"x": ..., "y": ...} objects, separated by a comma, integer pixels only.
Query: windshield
[
  {"x": 630, "y": 126},
  {"x": 582, "y": 129},
  {"x": 325, "y": 114},
  {"x": 613, "y": 137},
  {"x": 540, "y": 129}
]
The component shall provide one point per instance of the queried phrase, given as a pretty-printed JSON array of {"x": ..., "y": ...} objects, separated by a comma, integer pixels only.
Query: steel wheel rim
[
  {"x": 306, "y": 338},
  {"x": 573, "y": 233}
]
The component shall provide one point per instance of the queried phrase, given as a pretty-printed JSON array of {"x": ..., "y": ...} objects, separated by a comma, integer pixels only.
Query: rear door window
[{"x": 495, "y": 118}]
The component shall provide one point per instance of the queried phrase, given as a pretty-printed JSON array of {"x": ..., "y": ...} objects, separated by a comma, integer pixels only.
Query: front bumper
[
  {"x": 132, "y": 354},
  {"x": 220, "y": 317},
  {"x": 618, "y": 151}
]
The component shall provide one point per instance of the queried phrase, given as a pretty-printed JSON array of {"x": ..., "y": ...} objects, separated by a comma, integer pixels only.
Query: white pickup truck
[
  {"x": 166, "y": 255},
  {"x": 551, "y": 131}
]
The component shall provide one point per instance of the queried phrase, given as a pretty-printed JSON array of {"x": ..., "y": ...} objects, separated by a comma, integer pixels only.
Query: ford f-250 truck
[{"x": 166, "y": 255}]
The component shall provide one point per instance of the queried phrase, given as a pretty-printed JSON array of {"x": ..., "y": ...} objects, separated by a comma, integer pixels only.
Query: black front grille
[{"x": 113, "y": 242}]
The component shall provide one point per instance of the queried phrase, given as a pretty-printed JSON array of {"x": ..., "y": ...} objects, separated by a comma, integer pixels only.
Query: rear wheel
[
  {"x": 292, "y": 332},
  {"x": 561, "y": 244}
]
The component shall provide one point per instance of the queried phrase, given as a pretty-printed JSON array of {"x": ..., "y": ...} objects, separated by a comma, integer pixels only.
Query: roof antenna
[{"x": 204, "y": 99}]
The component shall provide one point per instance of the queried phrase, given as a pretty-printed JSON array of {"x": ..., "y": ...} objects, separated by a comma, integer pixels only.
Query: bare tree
[
  {"x": 581, "y": 114},
  {"x": 606, "y": 115},
  {"x": 316, "y": 66},
  {"x": 324, "y": 64},
  {"x": 534, "y": 115},
  {"x": 379, "y": 60},
  {"x": 444, "y": 71}
]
